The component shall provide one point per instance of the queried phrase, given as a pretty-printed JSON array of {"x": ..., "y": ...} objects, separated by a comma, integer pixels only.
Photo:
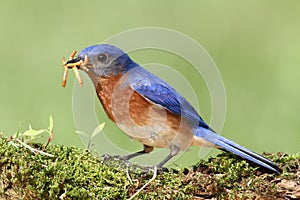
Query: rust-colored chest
[
  {"x": 104, "y": 90},
  {"x": 120, "y": 101},
  {"x": 141, "y": 119}
]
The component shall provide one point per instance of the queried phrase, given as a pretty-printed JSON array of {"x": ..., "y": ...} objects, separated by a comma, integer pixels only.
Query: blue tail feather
[{"x": 229, "y": 145}]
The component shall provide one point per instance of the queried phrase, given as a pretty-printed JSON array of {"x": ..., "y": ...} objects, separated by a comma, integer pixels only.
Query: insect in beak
[{"x": 75, "y": 64}]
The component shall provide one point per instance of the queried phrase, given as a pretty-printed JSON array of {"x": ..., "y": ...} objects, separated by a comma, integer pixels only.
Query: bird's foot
[
  {"x": 122, "y": 163},
  {"x": 115, "y": 161}
]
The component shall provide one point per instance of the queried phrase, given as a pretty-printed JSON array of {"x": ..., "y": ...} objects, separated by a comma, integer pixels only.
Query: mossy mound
[{"x": 72, "y": 173}]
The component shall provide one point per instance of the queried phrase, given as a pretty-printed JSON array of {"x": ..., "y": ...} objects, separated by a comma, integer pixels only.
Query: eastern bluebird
[{"x": 147, "y": 108}]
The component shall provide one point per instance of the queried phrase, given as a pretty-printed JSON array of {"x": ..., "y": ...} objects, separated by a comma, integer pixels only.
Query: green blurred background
[{"x": 255, "y": 45}]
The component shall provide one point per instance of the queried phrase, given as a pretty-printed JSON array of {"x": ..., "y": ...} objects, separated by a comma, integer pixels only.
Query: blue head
[{"x": 105, "y": 60}]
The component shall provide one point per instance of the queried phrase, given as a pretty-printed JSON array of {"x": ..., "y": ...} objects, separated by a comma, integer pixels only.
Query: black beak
[{"x": 75, "y": 60}]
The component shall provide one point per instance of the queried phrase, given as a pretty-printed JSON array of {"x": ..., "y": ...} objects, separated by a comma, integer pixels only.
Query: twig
[
  {"x": 152, "y": 179},
  {"x": 49, "y": 139},
  {"x": 63, "y": 195},
  {"x": 33, "y": 149},
  {"x": 128, "y": 175}
]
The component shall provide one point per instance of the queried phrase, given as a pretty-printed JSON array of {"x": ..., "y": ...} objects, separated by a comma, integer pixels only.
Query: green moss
[{"x": 74, "y": 173}]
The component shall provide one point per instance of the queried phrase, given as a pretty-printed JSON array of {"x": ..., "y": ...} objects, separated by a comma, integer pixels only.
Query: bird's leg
[
  {"x": 147, "y": 149},
  {"x": 173, "y": 152}
]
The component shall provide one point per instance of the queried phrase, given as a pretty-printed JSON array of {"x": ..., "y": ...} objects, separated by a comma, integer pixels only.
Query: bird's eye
[{"x": 103, "y": 57}]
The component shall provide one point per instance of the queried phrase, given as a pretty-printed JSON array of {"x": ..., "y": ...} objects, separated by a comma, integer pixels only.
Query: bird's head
[{"x": 103, "y": 60}]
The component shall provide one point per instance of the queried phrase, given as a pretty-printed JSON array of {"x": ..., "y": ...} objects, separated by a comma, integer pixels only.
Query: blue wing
[{"x": 159, "y": 92}]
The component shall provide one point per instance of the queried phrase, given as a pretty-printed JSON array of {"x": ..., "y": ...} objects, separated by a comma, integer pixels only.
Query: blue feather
[
  {"x": 229, "y": 145},
  {"x": 160, "y": 92}
]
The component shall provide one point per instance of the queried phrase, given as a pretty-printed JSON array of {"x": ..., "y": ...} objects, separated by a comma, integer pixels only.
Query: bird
[{"x": 147, "y": 108}]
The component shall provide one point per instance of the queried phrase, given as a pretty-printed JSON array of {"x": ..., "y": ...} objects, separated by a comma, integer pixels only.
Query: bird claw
[
  {"x": 81, "y": 64},
  {"x": 122, "y": 163}
]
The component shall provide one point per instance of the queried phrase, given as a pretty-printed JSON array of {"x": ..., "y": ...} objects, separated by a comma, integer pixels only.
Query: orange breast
[
  {"x": 142, "y": 120},
  {"x": 104, "y": 89},
  {"x": 116, "y": 98}
]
